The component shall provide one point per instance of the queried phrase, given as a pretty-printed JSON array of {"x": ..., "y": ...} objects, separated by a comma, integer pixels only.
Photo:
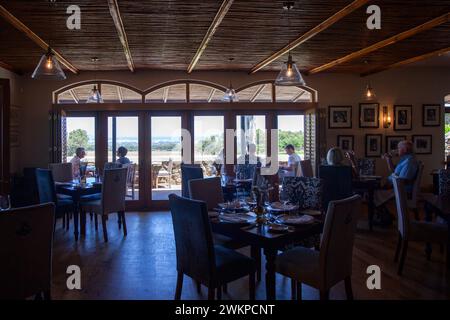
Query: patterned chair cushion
[
  {"x": 366, "y": 166},
  {"x": 444, "y": 181},
  {"x": 304, "y": 191},
  {"x": 245, "y": 171}
]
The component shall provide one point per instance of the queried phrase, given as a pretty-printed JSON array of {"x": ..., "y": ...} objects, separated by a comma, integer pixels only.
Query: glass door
[
  {"x": 209, "y": 144},
  {"x": 79, "y": 132},
  {"x": 166, "y": 156},
  {"x": 123, "y": 148}
]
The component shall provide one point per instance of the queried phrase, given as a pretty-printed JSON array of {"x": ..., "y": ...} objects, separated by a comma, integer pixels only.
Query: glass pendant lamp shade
[
  {"x": 230, "y": 95},
  {"x": 48, "y": 68},
  {"x": 369, "y": 93},
  {"x": 95, "y": 96},
  {"x": 289, "y": 75}
]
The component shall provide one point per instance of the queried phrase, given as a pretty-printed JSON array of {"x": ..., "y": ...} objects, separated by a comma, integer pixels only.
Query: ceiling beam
[
  {"x": 16, "y": 23},
  {"x": 115, "y": 14},
  {"x": 257, "y": 92},
  {"x": 9, "y": 67},
  {"x": 120, "y": 93},
  {"x": 384, "y": 43},
  {"x": 166, "y": 94},
  {"x": 311, "y": 33},
  {"x": 211, "y": 94},
  {"x": 407, "y": 61},
  {"x": 226, "y": 4},
  {"x": 74, "y": 96},
  {"x": 298, "y": 96}
]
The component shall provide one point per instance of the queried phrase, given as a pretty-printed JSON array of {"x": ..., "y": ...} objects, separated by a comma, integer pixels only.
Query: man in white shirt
[
  {"x": 80, "y": 153},
  {"x": 293, "y": 162}
]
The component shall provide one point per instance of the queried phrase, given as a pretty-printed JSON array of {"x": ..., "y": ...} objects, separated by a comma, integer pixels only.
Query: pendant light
[
  {"x": 230, "y": 94},
  {"x": 95, "y": 96},
  {"x": 369, "y": 93},
  {"x": 289, "y": 74},
  {"x": 48, "y": 68}
]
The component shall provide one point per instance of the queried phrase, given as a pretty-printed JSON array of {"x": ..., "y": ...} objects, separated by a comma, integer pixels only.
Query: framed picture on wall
[
  {"x": 346, "y": 143},
  {"x": 373, "y": 145},
  {"x": 431, "y": 115},
  {"x": 422, "y": 144},
  {"x": 369, "y": 115},
  {"x": 402, "y": 117},
  {"x": 339, "y": 117},
  {"x": 392, "y": 142}
]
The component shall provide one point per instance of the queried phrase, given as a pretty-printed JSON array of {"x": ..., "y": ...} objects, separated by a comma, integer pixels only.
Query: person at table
[
  {"x": 121, "y": 153},
  {"x": 247, "y": 164},
  {"x": 80, "y": 153},
  {"x": 292, "y": 164}
]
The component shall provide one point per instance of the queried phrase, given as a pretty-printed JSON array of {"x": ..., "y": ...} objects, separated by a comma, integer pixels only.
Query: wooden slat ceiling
[{"x": 165, "y": 34}]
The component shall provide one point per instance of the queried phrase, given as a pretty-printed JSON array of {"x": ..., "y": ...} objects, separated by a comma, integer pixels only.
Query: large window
[
  {"x": 80, "y": 132},
  {"x": 166, "y": 156},
  {"x": 290, "y": 131},
  {"x": 209, "y": 143},
  {"x": 251, "y": 130}
]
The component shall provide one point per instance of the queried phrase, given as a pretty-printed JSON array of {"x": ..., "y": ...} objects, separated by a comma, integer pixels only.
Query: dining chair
[
  {"x": 197, "y": 257},
  {"x": 131, "y": 174},
  {"x": 112, "y": 165},
  {"x": 414, "y": 195},
  {"x": 188, "y": 172},
  {"x": 337, "y": 182},
  {"x": 26, "y": 235},
  {"x": 332, "y": 264},
  {"x": 305, "y": 192},
  {"x": 444, "y": 181},
  {"x": 47, "y": 193},
  {"x": 421, "y": 231},
  {"x": 306, "y": 169},
  {"x": 165, "y": 174},
  {"x": 112, "y": 199},
  {"x": 62, "y": 172}
]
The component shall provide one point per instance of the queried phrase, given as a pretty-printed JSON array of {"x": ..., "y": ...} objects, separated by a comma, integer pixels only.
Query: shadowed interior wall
[{"x": 412, "y": 85}]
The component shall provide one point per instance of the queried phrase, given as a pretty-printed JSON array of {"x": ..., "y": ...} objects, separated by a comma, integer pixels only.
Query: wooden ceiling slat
[
  {"x": 119, "y": 93},
  {"x": 226, "y": 4},
  {"x": 311, "y": 33},
  {"x": 165, "y": 94},
  {"x": 115, "y": 14},
  {"x": 9, "y": 67},
  {"x": 386, "y": 42},
  {"x": 34, "y": 37},
  {"x": 407, "y": 61},
  {"x": 211, "y": 94},
  {"x": 298, "y": 96}
]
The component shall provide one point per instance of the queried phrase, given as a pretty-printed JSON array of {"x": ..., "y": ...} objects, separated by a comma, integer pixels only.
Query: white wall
[{"x": 413, "y": 85}]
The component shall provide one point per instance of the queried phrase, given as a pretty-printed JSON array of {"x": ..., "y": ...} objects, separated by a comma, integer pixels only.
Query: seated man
[{"x": 406, "y": 169}]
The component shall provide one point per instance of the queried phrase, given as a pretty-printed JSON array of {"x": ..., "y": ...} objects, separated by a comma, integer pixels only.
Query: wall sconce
[{"x": 386, "y": 117}]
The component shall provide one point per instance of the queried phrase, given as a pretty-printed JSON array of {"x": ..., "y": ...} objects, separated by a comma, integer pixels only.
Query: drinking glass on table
[{"x": 5, "y": 202}]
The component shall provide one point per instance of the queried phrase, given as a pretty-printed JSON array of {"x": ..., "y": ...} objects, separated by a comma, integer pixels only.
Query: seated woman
[{"x": 121, "y": 153}]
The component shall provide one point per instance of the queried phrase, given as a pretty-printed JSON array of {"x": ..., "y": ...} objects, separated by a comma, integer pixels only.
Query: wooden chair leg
[
  {"x": 105, "y": 231},
  {"x": 119, "y": 220},
  {"x": 91, "y": 215},
  {"x": 225, "y": 288},
  {"x": 67, "y": 220},
  {"x": 399, "y": 246},
  {"x": 293, "y": 289},
  {"x": 199, "y": 286},
  {"x": 416, "y": 214},
  {"x": 96, "y": 222},
  {"x": 299, "y": 291},
  {"x": 251, "y": 286},
  {"x": 179, "y": 285},
  {"x": 325, "y": 295},
  {"x": 64, "y": 220},
  {"x": 348, "y": 288},
  {"x": 255, "y": 253},
  {"x": 219, "y": 293},
  {"x": 402, "y": 257},
  {"x": 124, "y": 223}
]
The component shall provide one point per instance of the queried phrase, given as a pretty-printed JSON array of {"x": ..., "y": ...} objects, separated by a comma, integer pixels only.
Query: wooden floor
[{"x": 143, "y": 265}]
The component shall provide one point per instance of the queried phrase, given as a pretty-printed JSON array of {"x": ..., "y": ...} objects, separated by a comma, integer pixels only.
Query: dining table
[
  {"x": 368, "y": 184},
  {"x": 440, "y": 206},
  {"x": 261, "y": 238},
  {"x": 76, "y": 191}
]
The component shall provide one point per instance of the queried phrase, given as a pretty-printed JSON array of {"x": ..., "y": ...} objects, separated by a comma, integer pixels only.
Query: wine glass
[{"x": 5, "y": 202}]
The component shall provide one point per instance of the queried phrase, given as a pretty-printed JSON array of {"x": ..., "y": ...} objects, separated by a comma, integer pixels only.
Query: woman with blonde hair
[{"x": 335, "y": 157}]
